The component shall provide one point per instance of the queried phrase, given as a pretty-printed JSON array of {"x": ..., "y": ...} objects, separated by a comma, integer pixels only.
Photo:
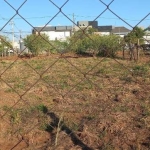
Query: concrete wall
[
  {"x": 57, "y": 35},
  {"x": 87, "y": 23}
]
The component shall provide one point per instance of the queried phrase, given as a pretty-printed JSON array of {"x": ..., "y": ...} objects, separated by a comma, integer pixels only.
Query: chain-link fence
[{"x": 91, "y": 92}]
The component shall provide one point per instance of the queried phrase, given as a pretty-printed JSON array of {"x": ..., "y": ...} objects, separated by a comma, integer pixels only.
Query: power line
[
  {"x": 16, "y": 32},
  {"x": 79, "y": 16}
]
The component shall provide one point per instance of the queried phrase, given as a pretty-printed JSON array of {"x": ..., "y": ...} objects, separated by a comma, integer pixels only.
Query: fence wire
[{"x": 69, "y": 101}]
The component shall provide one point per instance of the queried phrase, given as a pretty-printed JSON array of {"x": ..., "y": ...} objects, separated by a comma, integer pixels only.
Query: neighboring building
[
  {"x": 147, "y": 35},
  {"x": 54, "y": 32},
  {"x": 62, "y": 32},
  {"x": 103, "y": 30},
  {"x": 23, "y": 48},
  {"x": 93, "y": 24},
  {"x": 16, "y": 45},
  {"x": 121, "y": 31}
]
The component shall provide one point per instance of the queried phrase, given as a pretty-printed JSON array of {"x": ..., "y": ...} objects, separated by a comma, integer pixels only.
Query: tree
[
  {"x": 81, "y": 42},
  {"x": 4, "y": 45},
  {"x": 135, "y": 35},
  {"x": 60, "y": 46},
  {"x": 134, "y": 39},
  {"x": 37, "y": 43},
  {"x": 109, "y": 45},
  {"x": 87, "y": 42}
]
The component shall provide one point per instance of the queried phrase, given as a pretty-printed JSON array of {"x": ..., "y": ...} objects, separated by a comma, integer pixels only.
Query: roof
[
  {"x": 104, "y": 28},
  {"x": 53, "y": 28},
  {"x": 147, "y": 29},
  {"x": 118, "y": 30}
]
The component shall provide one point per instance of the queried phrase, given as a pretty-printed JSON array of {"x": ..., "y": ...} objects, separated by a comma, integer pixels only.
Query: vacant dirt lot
[{"x": 74, "y": 103}]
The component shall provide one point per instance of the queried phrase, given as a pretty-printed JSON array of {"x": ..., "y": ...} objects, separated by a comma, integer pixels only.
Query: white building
[
  {"x": 16, "y": 45},
  {"x": 63, "y": 32},
  {"x": 147, "y": 35},
  {"x": 104, "y": 30},
  {"x": 55, "y": 32}
]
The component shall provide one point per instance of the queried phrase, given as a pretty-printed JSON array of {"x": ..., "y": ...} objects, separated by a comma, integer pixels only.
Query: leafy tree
[
  {"x": 37, "y": 43},
  {"x": 59, "y": 46},
  {"x": 89, "y": 42},
  {"x": 135, "y": 35},
  {"x": 3, "y": 44},
  {"x": 109, "y": 45},
  {"x": 81, "y": 41},
  {"x": 134, "y": 39}
]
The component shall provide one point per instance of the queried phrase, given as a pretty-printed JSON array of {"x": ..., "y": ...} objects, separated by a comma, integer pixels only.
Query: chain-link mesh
[{"x": 69, "y": 101}]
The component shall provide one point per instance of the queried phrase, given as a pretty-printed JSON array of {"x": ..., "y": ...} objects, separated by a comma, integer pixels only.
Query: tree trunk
[
  {"x": 138, "y": 50},
  {"x": 123, "y": 54}
]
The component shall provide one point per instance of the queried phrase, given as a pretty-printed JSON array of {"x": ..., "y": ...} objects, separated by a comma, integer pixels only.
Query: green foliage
[
  {"x": 88, "y": 42},
  {"x": 140, "y": 70},
  {"x": 4, "y": 43},
  {"x": 20, "y": 116},
  {"x": 134, "y": 35},
  {"x": 37, "y": 43},
  {"x": 59, "y": 46},
  {"x": 81, "y": 41},
  {"x": 42, "y": 108},
  {"x": 14, "y": 114},
  {"x": 109, "y": 45}
]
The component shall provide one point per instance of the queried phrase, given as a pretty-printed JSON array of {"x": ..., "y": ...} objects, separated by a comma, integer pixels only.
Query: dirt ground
[{"x": 74, "y": 103}]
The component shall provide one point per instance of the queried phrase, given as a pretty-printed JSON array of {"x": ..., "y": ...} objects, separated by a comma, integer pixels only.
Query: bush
[
  {"x": 106, "y": 46},
  {"x": 109, "y": 45},
  {"x": 37, "y": 43}
]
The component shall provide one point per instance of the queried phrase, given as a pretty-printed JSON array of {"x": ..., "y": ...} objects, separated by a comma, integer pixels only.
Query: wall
[{"x": 59, "y": 35}]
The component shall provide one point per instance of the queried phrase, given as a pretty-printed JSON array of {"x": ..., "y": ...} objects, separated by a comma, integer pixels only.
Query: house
[
  {"x": 93, "y": 24},
  {"x": 54, "y": 32},
  {"x": 121, "y": 31},
  {"x": 147, "y": 35},
  {"x": 63, "y": 32},
  {"x": 103, "y": 30}
]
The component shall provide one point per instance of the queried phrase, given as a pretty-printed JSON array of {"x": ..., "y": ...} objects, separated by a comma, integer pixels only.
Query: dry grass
[{"x": 92, "y": 103}]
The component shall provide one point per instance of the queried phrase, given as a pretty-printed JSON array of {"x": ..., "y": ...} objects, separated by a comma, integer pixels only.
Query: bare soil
[{"x": 71, "y": 102}]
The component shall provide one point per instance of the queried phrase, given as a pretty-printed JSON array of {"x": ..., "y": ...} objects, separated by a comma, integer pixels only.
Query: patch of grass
[
  {"x": 39, "y": 66},
  {"x": 72, "y": 124},
  {"x": 139, "y": 70},
  {"x": 19, "y": 85},
  {"x": 46, "y": 127},
  {"x": 3, "y": 63},
  {"x": 126, "y": 78},
  {"x": 90, "y": 117},
  {"x": 145, "y": 110},
  {"x": 21, "y": 116},
  {"x": 42, "y": 108},
  {"x": 9, "y": 90},
  {"x": 102, "y": 134},
  {"x": 64, "y": 84},
  {"x": 14, "y": 114},
  {"x": 120, "y": 109},
  {"x": 102, "y": 71},
  {"x": 84, "y": 85}
]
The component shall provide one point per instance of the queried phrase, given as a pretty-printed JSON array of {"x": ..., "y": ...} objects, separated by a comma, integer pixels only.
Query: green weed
[{"x": 140, "y": 70}]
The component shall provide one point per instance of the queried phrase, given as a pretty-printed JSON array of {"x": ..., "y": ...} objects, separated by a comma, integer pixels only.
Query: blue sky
[{"x": 41, "y": 12}]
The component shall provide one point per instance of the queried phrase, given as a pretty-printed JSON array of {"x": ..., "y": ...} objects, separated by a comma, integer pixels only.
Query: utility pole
[
  {"x": 20, "y": 34},
  {"x": 20, "y": 42},
  {"x": 12, "y": 29},
  {"x": 73, "y": 23}
]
